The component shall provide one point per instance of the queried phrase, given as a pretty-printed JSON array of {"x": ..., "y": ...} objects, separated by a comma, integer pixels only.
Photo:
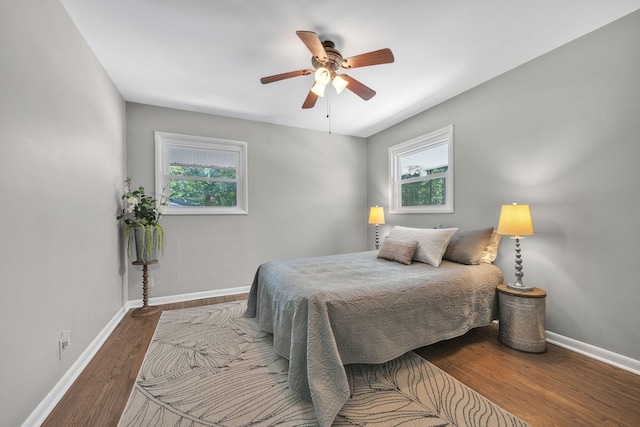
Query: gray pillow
[
  {"x": 466, "y": 247},
  {"x": 396, "y": 250}
]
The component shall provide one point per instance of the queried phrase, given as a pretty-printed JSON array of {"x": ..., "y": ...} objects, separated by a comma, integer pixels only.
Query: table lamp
[
  {"x": 515, "y": 221},
  {"x": 376, "y": 216}
]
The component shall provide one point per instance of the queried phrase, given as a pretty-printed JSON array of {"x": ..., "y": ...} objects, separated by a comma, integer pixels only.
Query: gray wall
[
  {"x": 306, "y": 197},
  {"x": 561, "y": 133},
  {"x": 61, "y": 164}
]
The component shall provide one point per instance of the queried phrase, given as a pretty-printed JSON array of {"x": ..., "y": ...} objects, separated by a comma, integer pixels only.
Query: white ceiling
[{"x": 209, "y": 55}]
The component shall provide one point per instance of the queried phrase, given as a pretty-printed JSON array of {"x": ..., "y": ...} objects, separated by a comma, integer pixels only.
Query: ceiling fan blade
[
  {"x": 382, "y": 56},
  {"x": 310, "y": 100},
  {"x": 363, "y": 91},
  {"x": 283, "y": 76},
  {"x": 313, "y": 43}
]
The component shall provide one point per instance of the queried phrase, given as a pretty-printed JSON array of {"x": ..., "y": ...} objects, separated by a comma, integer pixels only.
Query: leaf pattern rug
[{"x": 209, "y": 366}]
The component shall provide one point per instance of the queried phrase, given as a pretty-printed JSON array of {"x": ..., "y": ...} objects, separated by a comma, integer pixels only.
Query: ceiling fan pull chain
[{"x": 328, "y": 111}]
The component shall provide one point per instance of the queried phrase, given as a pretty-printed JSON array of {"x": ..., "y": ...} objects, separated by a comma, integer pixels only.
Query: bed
[{"x": 330, "y": 311}]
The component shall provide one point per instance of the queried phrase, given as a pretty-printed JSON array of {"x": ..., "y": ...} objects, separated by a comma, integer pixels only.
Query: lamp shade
[
  {"x": 339, "y": 83},
  {"x": 515, "y": 220},
  {"x": 376, "y": 215},
  {"x": 318, "y": 89},
  {"x": 323, "y": 76}
]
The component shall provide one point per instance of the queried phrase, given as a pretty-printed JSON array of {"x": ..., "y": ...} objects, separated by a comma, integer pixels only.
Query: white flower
[{"x": 141, "y": 208}]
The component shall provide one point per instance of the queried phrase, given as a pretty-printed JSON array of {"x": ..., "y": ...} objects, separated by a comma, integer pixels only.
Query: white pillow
[
  {"x": 432, "y": 242},
  {"x": 491, "y": 251}
]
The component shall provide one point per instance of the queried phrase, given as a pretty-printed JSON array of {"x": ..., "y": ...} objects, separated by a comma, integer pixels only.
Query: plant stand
[{"x": 145, "y": 310}]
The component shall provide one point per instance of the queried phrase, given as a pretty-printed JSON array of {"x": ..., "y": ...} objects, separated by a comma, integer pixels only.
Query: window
[
  {"x": 421, "y": 174},
  {"x": 201, "y": 175}
]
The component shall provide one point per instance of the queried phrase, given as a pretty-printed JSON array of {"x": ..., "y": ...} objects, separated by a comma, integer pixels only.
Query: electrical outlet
[{"x": 64, "y": 343}]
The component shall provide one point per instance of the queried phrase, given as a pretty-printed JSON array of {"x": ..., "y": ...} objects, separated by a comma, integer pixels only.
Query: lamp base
[
  {"x": 519, "y": 287},
  {"x": 519, "y": 274}
]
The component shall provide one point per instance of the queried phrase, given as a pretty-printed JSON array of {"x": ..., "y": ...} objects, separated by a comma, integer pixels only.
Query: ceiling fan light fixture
[
  {"x": 318, "y": 89},
  {"x": 323, "y": 76},
  {"x": 339, "y": 83},
  {"x": 325, "y": 60}
]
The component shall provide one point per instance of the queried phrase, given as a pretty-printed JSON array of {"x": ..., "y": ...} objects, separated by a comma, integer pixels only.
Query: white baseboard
[
  {"x": 606, "y": 356},
  {"x": 188, "y": 297},
  {"x": 42, "y": 411}
]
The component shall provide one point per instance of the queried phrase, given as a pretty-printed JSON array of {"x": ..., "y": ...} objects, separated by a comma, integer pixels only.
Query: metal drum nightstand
[{"x": 522, "y": 319}]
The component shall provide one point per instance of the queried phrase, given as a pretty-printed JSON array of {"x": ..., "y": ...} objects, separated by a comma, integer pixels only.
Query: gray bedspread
[{"x": 326, "y": 312}]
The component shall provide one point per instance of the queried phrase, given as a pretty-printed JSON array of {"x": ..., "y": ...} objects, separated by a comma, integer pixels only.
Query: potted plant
[{"x": 141, "y": 215}]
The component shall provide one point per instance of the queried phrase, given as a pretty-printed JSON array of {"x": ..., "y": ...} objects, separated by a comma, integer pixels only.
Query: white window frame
[
  {"x": 429, "y": 140},
  {"x": 164, "y": 140}
]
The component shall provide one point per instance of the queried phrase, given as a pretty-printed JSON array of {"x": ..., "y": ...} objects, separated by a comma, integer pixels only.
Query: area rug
[{"x": 209, "y": 366}]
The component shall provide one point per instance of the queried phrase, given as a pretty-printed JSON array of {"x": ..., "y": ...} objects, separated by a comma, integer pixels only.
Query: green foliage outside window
[
  {"x": 426, "y": 192},
  {"x": 209, "y": 191}
]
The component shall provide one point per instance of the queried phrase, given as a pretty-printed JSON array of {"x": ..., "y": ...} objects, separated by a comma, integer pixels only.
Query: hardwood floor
[{"x": 557, "y": 388}]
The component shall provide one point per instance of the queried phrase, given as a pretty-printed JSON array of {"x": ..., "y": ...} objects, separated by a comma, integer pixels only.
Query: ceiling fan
[{"x": 326, "y": 61}]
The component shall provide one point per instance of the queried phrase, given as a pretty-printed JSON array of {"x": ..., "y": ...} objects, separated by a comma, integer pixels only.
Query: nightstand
[{"x": 522, "y": 319}]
